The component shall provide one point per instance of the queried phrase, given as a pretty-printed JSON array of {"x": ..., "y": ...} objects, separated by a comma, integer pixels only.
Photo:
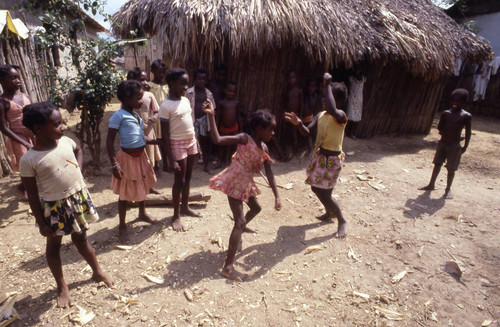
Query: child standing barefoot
[
  {"x": 133, "y": 177},
  {"x": 230, "y": 121},
  {"x": 236, "y": 181},
  {"x": 179, "y": 142},
  {"x": 326, "y": 163},
  {"x": 52, "y": 168},
  {"x": 12, "y": 101}
]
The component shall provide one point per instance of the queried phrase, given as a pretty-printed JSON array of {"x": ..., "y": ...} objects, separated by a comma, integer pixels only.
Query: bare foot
[
  {"x": 342, "y": 229},
  {"x": 63, "y": 299},
  {"x": 233, "y": 274},
  {"x": 147, "y": 218},
  {"x": 448, "y": 195},
  {"x": 325, "y": 217},
  {"x": 177, "y": 225},
  {"x": 249, "y": 230},
  {"x": 101, "y": 276},
  {"x": 154, "y": 191},
  {"x": 187, "y": 211},
  {"x": 123, "y": 235},
  {"x": 428, "y": 188}
]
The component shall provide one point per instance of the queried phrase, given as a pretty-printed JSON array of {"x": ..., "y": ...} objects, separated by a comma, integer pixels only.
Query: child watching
[
  {"x": 197, "y": 95},
  {"x": 326, "y": 163},
  {"x": 229, "y": 120},
  {"x": 355, "y": 102},
  {"x": 312, "y": 105},
  {"x": 294, "y": 102},
  {"x": 12, "y": 101},
  {"x": 158, "y": 86},
  {"x": 52, "y": 168},
  {"x": 450, "y": 126},
  {"x": 236, "y": 181},
  {"x": 179, "y": 142},
  {"x": 133, "y": 177}
]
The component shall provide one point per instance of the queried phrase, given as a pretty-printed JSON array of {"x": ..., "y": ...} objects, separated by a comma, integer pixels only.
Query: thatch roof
[{"x": 414, "y": 33}]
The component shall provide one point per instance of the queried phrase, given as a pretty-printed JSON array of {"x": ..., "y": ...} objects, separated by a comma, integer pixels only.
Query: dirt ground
[{"x": 393, "y": 229}]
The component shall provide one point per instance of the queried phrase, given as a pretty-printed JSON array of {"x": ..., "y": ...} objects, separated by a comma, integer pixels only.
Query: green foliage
[{"x": 92, "y": 77}]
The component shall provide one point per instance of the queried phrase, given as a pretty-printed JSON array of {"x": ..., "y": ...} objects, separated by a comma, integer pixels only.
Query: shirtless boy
[
  {"x": 450, "y": 126},
  {"x": 229, "y": 120},
  {"x": 294, "y": 101}
]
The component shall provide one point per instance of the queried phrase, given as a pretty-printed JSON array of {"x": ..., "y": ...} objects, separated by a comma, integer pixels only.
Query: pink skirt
[
  {"x": 138, "y": 177},
  {"x": 323, "y": 172}
]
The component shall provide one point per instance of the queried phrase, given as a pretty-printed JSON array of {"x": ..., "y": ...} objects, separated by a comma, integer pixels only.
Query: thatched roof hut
[{"x": 410, "y": 46}]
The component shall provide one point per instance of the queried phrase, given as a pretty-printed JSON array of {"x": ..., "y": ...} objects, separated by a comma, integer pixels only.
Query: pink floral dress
[{"x": 237, "y": 180}]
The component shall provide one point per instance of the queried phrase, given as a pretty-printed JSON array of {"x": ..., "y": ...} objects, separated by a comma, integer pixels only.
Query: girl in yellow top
[{"x": 326, "y": 163}]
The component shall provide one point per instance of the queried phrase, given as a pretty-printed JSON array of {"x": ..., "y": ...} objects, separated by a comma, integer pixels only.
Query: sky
[{"x": 110, "y": 8}]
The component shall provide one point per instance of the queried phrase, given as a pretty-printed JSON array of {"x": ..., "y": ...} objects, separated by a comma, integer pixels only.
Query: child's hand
[
  {"x": 117, "y": 172},
  {"x": 277, "y": 204},
  {"x": 208, "y": 107},
  {"x": 327, "y": 79},
  {"x": 464, "y": 149},
  {"x": 46, "y": 231},
  {"x": 292, "y": 118},
  {"x": 174, "y": 166},
  {"x": 152, "y": 119}
]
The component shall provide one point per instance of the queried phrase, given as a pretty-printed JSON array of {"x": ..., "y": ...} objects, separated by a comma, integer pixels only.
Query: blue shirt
[{"x": 130, "y": 129}]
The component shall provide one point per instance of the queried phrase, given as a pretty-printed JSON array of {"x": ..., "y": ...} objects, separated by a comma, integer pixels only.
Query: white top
[
  {"x": 178, "y": 113},
  {"x": 57, "y": 172}
]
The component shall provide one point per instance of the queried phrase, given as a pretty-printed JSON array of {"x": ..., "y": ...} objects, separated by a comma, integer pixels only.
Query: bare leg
[
  {"x": 53, "y": 254},
  {"x": 205, "y": 148},
  {"x": 447, "y": 193},
  {"x": 82, "y": 244},
  {"x": 143, "y": 215},
  {"x": 122, "y": 227},
  {"x": 332, "y": 207},
  {"x": 176, "y": 195},
  {"x": 255, "y": 208},
  {"x": 432, "y": 183},
  {"x": 228, "y": 270},
  {"x": 185, "y": 209}
]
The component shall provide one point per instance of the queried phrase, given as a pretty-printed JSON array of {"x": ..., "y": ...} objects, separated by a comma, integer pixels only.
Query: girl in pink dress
[{"x": 236, "y": 181}]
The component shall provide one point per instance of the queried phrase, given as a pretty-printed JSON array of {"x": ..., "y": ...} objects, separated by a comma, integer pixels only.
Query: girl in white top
[
  {"x": 52, "y": 168},
  {"x": 179, "y": 142}
]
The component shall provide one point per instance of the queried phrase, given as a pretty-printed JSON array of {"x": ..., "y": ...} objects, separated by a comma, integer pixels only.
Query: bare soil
[{"x": 393, "y": 227}]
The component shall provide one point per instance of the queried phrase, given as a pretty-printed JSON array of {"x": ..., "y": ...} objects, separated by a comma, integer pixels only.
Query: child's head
[
  {"x": 139, "y": 75},
  {"x": 178, "y": 81},
  {"x": 262, "y": 123},
  {"x": 230, "y": 90},
  {"x": 200, "y": 77},
  {"x": 292, "y": 78},
  {"x": 221, "y": 73},
  {"x": 130, "y": 93},
  {"x": 339, "y": 92},
  {"x": 158, "y": 68},
  {"x": 312, "y": 86},
  {"x": 10, "y": 78},
  {"x": 459, "y": 98},
  {"x": 43, "y": 119}
]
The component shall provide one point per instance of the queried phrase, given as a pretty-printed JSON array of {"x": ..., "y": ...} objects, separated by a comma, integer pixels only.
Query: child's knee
[{"x": 79, "y": 239}]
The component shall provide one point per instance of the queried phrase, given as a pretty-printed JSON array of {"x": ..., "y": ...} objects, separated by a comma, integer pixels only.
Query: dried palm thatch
[{"x": 414, "y": 33}]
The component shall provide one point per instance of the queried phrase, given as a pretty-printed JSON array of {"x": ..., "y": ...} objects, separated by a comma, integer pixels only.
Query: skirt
[
  {"x": 71, "y": 214},
  {"x": 138, "y": 177},
  {"x": 323, "y": 172}
]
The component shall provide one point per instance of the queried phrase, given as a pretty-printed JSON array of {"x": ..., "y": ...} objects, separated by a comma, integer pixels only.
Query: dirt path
[{"x": 349, "y": 282}]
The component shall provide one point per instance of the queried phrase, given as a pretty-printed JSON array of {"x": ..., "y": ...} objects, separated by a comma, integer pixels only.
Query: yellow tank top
[{"x": 330, "y": 133}]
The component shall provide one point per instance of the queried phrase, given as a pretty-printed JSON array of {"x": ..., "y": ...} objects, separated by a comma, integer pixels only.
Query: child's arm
[
  {"x": 214, "y": 133},
  {"x": 79, "y": 156},
  {"x": 170, "y": 165},
  {"x": 31, "y": 188},
  {"x": 4, "y": 128},
  {"x": 110, "y": 145},
  {"x": 468, "y": 132},
  {"x": 339, "y": 115},
  {"x": 272, "y": 182},
  {"x": 304, "y": 130},
  {"x": 441, "y": 123}
]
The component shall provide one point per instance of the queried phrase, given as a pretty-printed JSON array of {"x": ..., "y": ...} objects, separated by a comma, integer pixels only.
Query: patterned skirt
[
  {"x": 71, "y": 214},
  {"x": 323, "y": 172}
]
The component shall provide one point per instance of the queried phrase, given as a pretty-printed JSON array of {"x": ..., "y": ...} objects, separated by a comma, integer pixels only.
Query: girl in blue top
[{"x": 133, "y": 176}]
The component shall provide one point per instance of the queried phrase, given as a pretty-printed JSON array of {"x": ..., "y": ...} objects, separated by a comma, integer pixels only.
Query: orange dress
[{"x": 15, "y": 121}]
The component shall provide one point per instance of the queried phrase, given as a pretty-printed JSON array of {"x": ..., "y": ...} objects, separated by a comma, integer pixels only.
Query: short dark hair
[
  {"x": 5, "y": 70},
  {"x": 260, "y": 118},
  {"x": 230, "y": 83},
  {"x": 158, "y": 63},
  {"x": 199, "y": 71},
  {"x": 461, "y": 95},
  {"x": 134, "y": 73},
  {"x": 127, "y": 88},
  {"x": 37, "y": 113},
  {"x": 339, "y": 91},
  {"x": 174, "y": 74}
]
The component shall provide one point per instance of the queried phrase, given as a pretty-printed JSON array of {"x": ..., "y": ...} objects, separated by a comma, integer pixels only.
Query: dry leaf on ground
[
  {"x": 389, "y": 314},
  {"x": 452, "y": 268},
  {"x": 398, "y": 277},
  {"x": 82, "y": 317},
  {"x": 153, "y": 279},
  {"x": 312, "y": 248}
]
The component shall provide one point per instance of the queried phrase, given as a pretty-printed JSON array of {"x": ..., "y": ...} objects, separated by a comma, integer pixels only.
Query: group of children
[{"x": 50, "y": 168}]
